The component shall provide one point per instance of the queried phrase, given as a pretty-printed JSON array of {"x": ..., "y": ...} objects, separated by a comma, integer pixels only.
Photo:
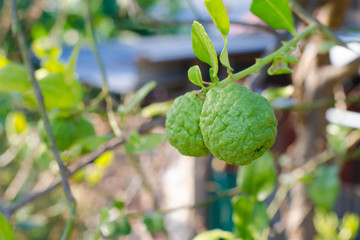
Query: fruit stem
[{"x": 261, "y": 62}]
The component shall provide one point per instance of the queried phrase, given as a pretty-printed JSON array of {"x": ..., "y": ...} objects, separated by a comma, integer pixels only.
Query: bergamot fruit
[
  {"x": 182, "y": 125},
  {"x": 238, "y": 126}
]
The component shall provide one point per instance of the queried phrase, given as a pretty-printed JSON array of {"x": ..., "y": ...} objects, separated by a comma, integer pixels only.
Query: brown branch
[{"x": 84, "y": 161}]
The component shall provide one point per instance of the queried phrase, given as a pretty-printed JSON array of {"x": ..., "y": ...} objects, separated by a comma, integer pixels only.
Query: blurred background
[{"x": 141, "y": 41}]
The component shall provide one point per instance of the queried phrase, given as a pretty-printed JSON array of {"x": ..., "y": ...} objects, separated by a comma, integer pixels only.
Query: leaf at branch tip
[
  {"x": 195, "y": 77},
  {"x": 276, "y": 13},
  {"x": 6, "y": 232},
  {"x": 213, "y": 76},
  {"x": 70, "y": 70},
  {"x": 224, "y": 56},
  {"x": 219, "y": 16},
  {"x": 202, "y": 46}
]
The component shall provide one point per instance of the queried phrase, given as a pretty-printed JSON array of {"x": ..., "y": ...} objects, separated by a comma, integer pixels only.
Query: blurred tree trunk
[{"x": 312, "y": 81}]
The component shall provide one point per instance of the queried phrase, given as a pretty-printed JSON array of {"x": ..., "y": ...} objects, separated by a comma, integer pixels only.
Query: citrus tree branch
[
  {"x": 84, "y": 161},
  {"x": 105, "y": 87},
  {"x": 261, "y": 62},
  {"x": 40, "y": 99}
]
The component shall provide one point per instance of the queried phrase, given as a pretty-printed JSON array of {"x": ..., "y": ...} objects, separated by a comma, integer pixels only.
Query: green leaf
[
  {"x": 138, "y": 97},
  {"x": 156, "y": 109},
  {"x": 216, "y": 234},
  {"x": 53, "y": 66},
  {"x": 213, "y": 76},
  {"x": 258, "y": 178},
  {"x": 224, "y": 56},
  {"x": 154, "y": 222},
  {"x": 58, "y": 94},
  {"x": 276, "y": 13},
  {"x": 6, "y": 232},
  {"x": 250, "y": 218},
  {"x": 119, "y": 204},
  {"x": 202, "y": 46},
  {"x": 324, "y": 190},
  {"x": 219, "y": 16},
  {"x": 14, "y": 78},
  {"x": 279, "y": 66},
  {"x": 119, "y": 227},
  {"x": 70, "y": 70},
  {"x": 104, "y": 215},
  {"x": 195, "y": 77},
  {"x": 140, "y": 144}
]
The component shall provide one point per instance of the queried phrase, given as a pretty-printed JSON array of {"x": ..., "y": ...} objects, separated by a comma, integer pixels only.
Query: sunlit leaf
[
  {"x": 195, "y": 77},
  {"x": 3, "y": 61},
  {"x": 6, "y": 231},
  {"x": 15, "y": 123},
  {"x": 259, "y": 177},
  {"x": 349, "y": 226},
  {"x": 53, "y": 66},
  {"x": 215, "y": 234},
  {"x": 45, "y": 47},
  {"x": 326, "y": 224},
  {"x": 14, "y": 78},
  {"x": 156, "y": 109},
  {"x": 276, "y": 13},
  {"x": 202, "y": 46},
  {"x": 250, "y": 218},
  {"x": 218, "y": 14},
  {"x": 105, "y": 159}
]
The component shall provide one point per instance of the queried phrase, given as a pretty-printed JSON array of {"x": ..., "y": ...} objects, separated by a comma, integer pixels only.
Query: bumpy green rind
[
  {"x": 182, "y": 125},
  {"x": 238, "y": 126}
]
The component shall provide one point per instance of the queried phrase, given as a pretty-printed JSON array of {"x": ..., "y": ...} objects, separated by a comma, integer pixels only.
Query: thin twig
[
  {"x": 40, "y": 100},
  {"x": 309, "y": 19},
  {"x": 105, "y": 86},
  {"x": 261, "y": 62},
  {"x": 84, "y": 161}
]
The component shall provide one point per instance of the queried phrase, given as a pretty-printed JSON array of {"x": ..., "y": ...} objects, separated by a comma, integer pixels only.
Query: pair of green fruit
[{"x": 233, "y": 123}]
